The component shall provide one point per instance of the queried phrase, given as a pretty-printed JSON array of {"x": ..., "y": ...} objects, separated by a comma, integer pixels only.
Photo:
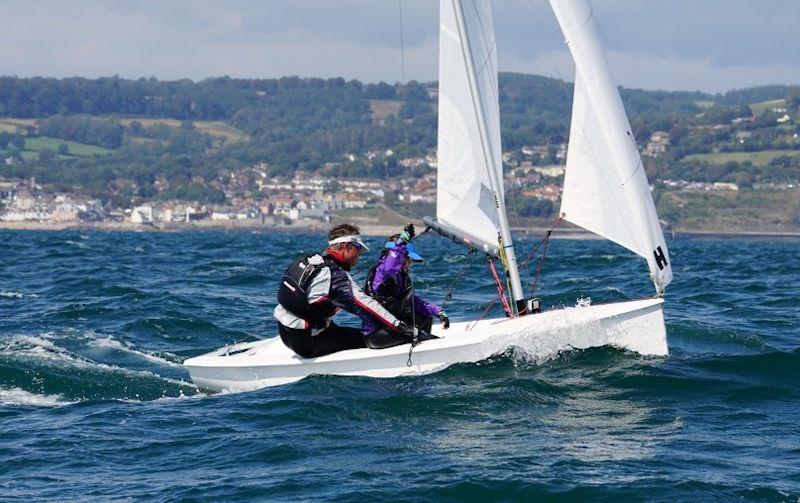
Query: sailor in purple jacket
[{"x": 389, "y": 283}]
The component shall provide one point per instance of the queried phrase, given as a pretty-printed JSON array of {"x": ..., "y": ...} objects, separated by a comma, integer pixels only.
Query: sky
[{"x": 706, "y": 45}]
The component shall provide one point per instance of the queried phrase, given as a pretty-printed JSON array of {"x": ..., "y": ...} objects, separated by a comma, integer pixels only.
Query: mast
[{"x": 495, "y": 171}]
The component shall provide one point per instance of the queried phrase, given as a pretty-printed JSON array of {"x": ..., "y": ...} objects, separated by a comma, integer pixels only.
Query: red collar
[{"x": 337, "y": 257}]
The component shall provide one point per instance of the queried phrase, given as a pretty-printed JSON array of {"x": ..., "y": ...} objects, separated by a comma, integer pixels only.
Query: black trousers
[
  {"x": 332, "y": 339},
  {"x": 384, "y": 338}
]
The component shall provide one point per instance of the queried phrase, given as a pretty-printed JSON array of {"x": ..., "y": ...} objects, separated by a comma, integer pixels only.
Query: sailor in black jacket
[{"x": 315, "y": 287}]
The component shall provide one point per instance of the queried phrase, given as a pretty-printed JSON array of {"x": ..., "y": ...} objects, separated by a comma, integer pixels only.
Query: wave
[
  {"x": 17, "y": 295},
  {"x": 37, "y": 363},
  {"x": 76, "y": 244},
  {"x": 18, "y": 396},
  {"x": 126, "y": 347}
]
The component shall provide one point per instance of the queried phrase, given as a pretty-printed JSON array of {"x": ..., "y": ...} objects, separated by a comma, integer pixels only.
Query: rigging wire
[
  {"x": 402, "y": 43},
  {"x": 500, "y": 296},
  {"x": 500, "y": 292},
  {"x": 544, "y": 242},
  {"x": 467, "y": 263}
]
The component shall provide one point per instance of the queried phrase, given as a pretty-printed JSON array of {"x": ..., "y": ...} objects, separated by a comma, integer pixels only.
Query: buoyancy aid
[
  {"x": 401, "y": 305},
  {"x": 293, "y": 290}
]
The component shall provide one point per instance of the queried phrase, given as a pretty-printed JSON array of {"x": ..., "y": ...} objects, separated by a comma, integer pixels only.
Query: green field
[
  {"x": 760, "y": 108},
  {"x": 40, "y": 143},
  {"x": 381, "y": 215},
  {"x": 11, "y": 125},
  {"x": 213, "y": 128},
  {"x": 761, "y": 158},
  {"x": 35, "y": 145},
  {"x": 730, "y": 211},
  {"x": 382, "y": 109}
]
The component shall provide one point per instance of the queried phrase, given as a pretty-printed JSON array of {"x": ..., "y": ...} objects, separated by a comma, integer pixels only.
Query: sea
[{"x": 95, "y": 404}]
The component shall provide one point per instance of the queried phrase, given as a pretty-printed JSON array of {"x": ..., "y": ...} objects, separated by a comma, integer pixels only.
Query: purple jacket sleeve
[{"x": 423, "y": 306}]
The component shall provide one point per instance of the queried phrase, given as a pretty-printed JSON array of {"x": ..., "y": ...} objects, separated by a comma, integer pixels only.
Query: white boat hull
[{"x": 634, "y": 325}]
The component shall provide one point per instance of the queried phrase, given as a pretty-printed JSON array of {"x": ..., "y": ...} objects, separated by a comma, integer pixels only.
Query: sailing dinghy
[{"x": 605, "y": 191}]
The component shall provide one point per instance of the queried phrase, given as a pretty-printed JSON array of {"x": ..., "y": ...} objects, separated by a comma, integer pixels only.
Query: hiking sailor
[
  {"x": 315, "y": 287},
  {"x": 389, "y": 282}
]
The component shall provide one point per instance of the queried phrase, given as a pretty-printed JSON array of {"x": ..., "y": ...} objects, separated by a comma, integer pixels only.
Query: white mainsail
[
  {"x": 470, "y": 196},
  {"x": 605, "y": 186},
  {"x": 465, "y": 196}
]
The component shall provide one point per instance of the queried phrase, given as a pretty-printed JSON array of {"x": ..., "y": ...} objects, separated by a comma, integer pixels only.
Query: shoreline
[{"x": 366, "y": 229}]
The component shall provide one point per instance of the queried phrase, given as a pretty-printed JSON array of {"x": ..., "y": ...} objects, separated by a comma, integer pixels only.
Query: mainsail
[
  {"x": 605, "y": 186},
  {"x": 465, "y": 195},
  {"x": 470, "y": 197}
]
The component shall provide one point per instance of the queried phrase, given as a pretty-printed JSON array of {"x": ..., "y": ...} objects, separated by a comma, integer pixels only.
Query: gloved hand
[
  {"x": 445, "y": 320},
  {"x": 407, "y": 234}
]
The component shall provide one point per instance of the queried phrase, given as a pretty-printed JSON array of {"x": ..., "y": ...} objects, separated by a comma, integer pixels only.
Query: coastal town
[
  {"x": 255, "y": 198},
  {"x": 372, "y": 160}
]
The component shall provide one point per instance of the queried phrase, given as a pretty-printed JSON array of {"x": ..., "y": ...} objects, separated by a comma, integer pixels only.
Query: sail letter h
[{"x": 661, "y": 260}]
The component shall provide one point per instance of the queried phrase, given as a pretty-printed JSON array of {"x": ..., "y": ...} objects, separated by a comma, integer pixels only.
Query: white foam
[
  {"x": 111, "y": 343},
  {"x": 77, "y": 244},
  {"x": 18, "y": 396},
  {"x": 18, "y": 295},
  {"x": 39, "y": 348}
]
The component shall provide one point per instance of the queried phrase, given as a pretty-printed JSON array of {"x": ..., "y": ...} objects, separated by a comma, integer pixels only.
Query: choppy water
[{"x": 94, "y": 404}]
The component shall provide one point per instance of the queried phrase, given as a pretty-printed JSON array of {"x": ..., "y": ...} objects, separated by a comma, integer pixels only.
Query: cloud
[
  {"x": 665, "y": 73},
  {"x": 712, "y": 45}
]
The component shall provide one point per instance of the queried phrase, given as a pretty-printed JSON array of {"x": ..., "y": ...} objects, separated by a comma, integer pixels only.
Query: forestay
[
  {"x": 465, "y": 199},
  {"x": 605, "y": 186}
]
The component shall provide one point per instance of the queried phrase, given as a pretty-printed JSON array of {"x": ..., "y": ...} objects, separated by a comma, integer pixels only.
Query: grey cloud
[{"x": 709, "y": 45}]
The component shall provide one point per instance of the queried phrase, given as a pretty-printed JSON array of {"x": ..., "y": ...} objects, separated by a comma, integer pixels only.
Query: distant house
[
  {"x": 549, "y": 192},
  {"x": 318, "y": 214},
  {"x": 658, "y": 144},
  {"x": 65, "y": 211},
  {"x": 553, "y": 170},
  {"x": 355, "y": 201},
  {"x": 421, "y": 198},
  {"x": 144, "y": 214},
  {"x": 530, "y": 150},
  {"x": 222, "y": 214},
  {"x": 561, "y": 153},
  {"x": 7, "y": 191}
]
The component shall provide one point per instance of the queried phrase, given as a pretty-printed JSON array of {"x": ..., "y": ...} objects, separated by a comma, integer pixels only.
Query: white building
[{"x": 144, "y": 214}]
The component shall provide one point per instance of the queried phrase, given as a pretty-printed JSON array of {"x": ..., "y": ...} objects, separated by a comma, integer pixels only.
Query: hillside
[{"x": 125, "y": 141}]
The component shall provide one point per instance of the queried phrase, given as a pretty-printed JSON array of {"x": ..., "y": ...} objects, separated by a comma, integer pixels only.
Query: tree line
[{"x": 298, "y": 123}]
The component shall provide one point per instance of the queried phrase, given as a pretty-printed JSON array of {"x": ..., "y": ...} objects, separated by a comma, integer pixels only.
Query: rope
[
  {"x": 483, "y": 314},
  {"x": 427, "y": 230},
  {"x": 545, "y": 241},
  {"x": 500, "y": 292},
  {"x": 545, "y": 238},
  {"x": 500, "y": 296},
  {"x": 501, "y": 252},
  {"x": 539, "y": 267},
  {"x": 467, "y": 263},
  {"x": 415, "y": 337}
]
